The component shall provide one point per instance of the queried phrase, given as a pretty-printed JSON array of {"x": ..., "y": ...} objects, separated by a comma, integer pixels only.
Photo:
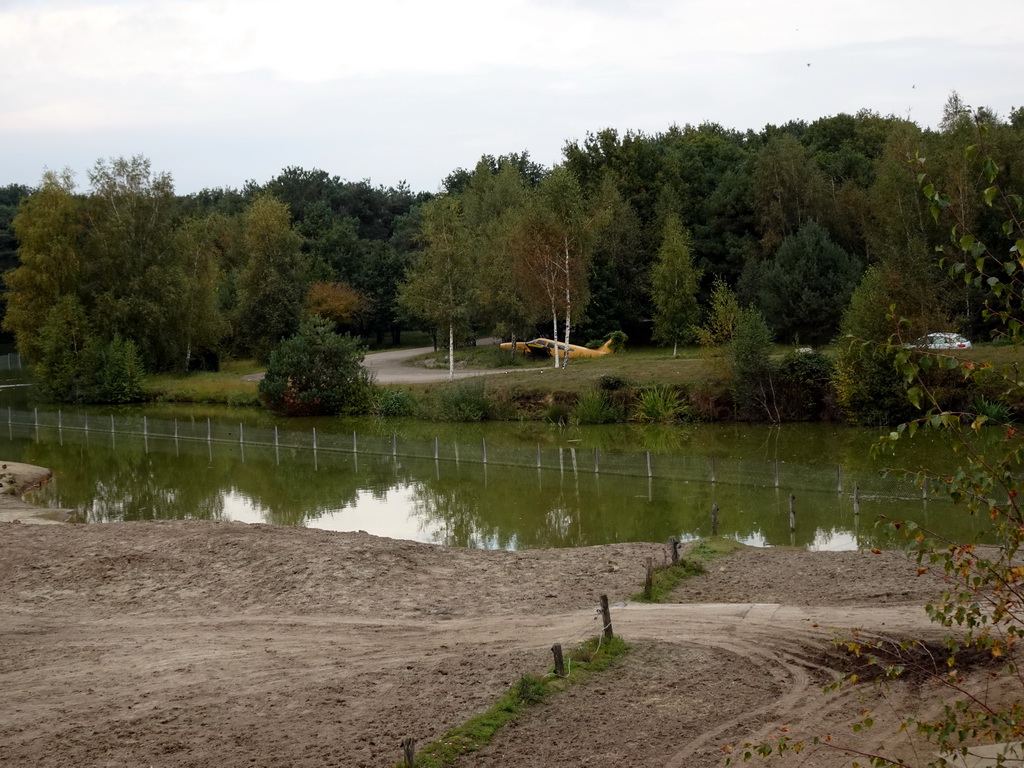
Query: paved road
[{"x": 390, "y": 366}]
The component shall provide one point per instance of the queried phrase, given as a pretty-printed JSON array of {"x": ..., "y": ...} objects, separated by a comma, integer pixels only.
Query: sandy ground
[
  {"x": 221, "y": 644},
  {"x": 17, "y": 479}
]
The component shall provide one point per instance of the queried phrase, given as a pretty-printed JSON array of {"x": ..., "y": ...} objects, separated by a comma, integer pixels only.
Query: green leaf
[{"x": 990, "y": 195}]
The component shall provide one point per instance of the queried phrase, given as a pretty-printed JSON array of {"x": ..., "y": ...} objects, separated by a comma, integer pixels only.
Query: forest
[{"x": 823, "y": 230}]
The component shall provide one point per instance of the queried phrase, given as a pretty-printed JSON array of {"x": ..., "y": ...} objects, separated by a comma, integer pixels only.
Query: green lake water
[{"x": 593, "y": 485}]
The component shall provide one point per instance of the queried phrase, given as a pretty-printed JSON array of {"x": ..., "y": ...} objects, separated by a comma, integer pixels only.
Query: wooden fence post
[
  {"x": 606, "y": 617},
  {"x": 856, "y": 499},
  {"x": 792, "y": 512},
  {"x": 409, "y": 751},
  {"x": 673, "y": 544},
  {"x": 556, "y": 649},
  {"x": 649, "y": 580},
  {"x": 714, "y": 519}
]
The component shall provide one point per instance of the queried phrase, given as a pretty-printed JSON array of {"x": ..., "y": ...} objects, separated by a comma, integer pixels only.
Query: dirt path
[{"x": 222, "y": 644}]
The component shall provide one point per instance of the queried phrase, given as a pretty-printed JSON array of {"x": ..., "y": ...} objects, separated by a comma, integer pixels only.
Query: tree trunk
[
  {"x": 451, "y": 352},
  {"x": 554, "y": 331},
  {"x": 568, "y": 305}
]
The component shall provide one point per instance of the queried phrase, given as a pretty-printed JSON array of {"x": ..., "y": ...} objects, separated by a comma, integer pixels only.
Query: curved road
[{"x": 390, "y": 367}]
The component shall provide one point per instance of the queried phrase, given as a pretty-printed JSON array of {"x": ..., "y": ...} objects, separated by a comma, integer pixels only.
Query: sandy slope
[{"x": 221, "y": 644}]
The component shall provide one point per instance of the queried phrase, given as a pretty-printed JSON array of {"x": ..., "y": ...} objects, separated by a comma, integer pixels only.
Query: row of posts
[{"x": 712, "y": 464}]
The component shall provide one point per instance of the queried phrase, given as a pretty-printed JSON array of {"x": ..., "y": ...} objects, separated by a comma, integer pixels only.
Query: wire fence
[{"x": 697, "y": 469}]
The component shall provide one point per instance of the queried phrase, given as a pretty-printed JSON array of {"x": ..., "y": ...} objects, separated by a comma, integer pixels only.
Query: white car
[{"x": 943, "y": 341}]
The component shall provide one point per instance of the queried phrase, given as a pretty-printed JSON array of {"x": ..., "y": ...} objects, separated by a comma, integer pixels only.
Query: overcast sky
[{"x": 216, "y": 92}]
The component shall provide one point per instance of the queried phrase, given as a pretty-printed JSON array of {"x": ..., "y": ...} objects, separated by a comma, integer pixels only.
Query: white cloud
[{"x": 402, "y": 89}]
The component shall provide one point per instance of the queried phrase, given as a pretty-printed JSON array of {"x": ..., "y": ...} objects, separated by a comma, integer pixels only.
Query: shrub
[
  {"x": 593, "y": 408},
  {"x": 460, "y": 401},
  {"x": 395, "y": 403},
  {"x": 317, "y": 372},
  {"x": 804, "y": 385},
  {"x": 76, "y": 366},
  {"x": 661, "y": 405}
]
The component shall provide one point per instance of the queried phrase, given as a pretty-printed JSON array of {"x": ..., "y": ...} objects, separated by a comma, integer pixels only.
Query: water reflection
[{"x": 127, "y": 477}]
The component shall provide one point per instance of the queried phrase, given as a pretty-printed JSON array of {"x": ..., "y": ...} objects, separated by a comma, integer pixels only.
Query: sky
[{"x": 218, "y": 92}]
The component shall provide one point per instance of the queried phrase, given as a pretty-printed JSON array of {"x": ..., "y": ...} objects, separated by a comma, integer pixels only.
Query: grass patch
[
  {"x": 224, "y": 387},
  {"x": 667, "y": 578},
  {"x": 582, "y": 662}
]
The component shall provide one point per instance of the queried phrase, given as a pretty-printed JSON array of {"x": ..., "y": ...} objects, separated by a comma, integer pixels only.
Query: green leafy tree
[
  {"x": 491, "y": 200},
  {"x": 981, "y": 614},
  {"x": 439, "y": 289},
  {"x": 200, "y": 321},
  {"x": 317, "y": 372},
  {"x": 77, "y": 366},
  {"x": 132, "y": 283},
  {"x": 674, "y": 284},
  {"x": 802, "y": 291},
  {"x": 722, "y": 316},
  {"x": 273, "y": 284},
  {"x": 51, "y": 230},
  {"x": 753, "y": 372}
]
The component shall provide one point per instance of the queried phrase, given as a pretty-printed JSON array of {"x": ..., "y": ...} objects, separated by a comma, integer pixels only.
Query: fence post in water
[
  {"x": 314, "y": 439},
  {"x": 556, "y": 649},
  {"x": 36, "y": 412},
  {"x": 597, "y": 460},
  {"x": 394, "y": 445},
  {"x": 606, "y": 617},
  {"x": 437, "y": 449},
  {"x": 673, "y": 544},
  {"x": 87, "y": 422},
  {"x": 713, "y": 477},
  {"x": 924, "y": 488},
  {"x": 649, "y": 473},
  {"x": 776, "y": 473},
  {"x": 355, "y": 442},
  {"x": 792, "y": 512},
  {"x": 175, "y": 429},
  {"x": 483, "y": 445},
  {"x": 111, "y": 423},
  {"x": 839, "y": 475},
  {"x": 856, "y": 499},
  {"x": 714, "y": 519},
  {"x": 145, "y": 426},
  {"x": 209, "y": 430},
  {"x": 9, "y": 416},
  {"x": 538, "y": 455}
]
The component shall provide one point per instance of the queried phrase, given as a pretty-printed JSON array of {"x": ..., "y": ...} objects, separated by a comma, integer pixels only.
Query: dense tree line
[{"x": 820, "y": 226}]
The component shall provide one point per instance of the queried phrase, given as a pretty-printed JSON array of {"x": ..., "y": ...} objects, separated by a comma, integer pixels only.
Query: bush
[
  {"x": 661, "y": 405},
  {"x": 317, "y": 372},
  {"x": 593, "y": 408},
  {"x": 395, "y": 403},
  {"x": 461, "y": 401},
  {"x": 752, "y": 369},
  {"x": 804, "y": 386},
  {"x": 75, "y": 366}
]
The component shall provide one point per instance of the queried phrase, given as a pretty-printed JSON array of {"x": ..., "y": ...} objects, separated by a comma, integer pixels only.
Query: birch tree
[
  {"x": 554, "y": 241},
  {"x": 439, "y": 289},
  {"x": 674, "y": 284}
]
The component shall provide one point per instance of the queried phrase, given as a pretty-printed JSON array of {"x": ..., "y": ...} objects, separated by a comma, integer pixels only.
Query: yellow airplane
[{"x": 546, "y": 347}]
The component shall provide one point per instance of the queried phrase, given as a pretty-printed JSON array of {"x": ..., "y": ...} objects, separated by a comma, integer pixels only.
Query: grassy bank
[
  {"x": 583, "y": 661},
  {"x": 637, "y": 384}
]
